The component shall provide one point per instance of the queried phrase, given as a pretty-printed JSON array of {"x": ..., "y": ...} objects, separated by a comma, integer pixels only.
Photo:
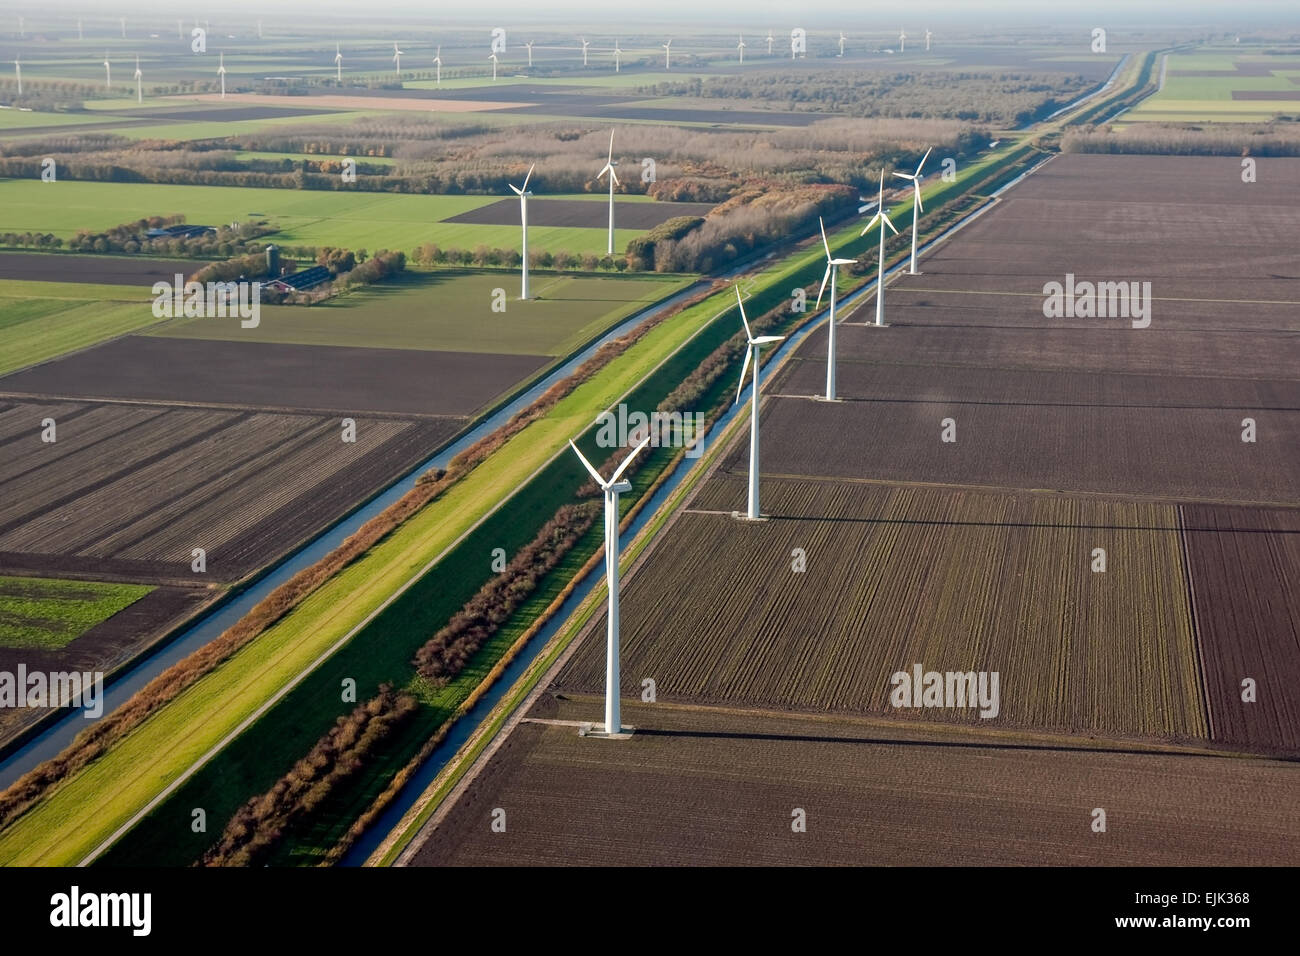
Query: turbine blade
[
  {"x": 822, "y": 226},
  {"x": 528, "y": 177},
  {"x": 826, "y": 277},
  {"x": 518, "y": 191},
  {"x": 869, "y": 226},
  {"x": 744, "y": 370},
  {"x": 618, "y": 472},
  {"x": 768, "y": 339},
  {"x": 594, "y": 473},
  {"x": 748, "y": 335},
  {"x": 923, "y": 159},
  {"x": 886, "y": 221},
  {"x": 917, "y": 190},
  {"x": 610, "y": 160},
  {"x": 843, "y": 262},
  {"x": 904, "y": 175},
  {"x": 613, "y": 175}
]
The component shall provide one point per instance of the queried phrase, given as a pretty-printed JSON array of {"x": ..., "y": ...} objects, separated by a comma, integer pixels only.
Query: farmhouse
[
  {"x": 300, "y": 281},
  {"x": 180, "y": 232}
]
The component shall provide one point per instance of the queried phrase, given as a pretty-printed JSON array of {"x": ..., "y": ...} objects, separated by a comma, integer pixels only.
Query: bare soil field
[
  {"x": 338, "y": 379},
  {"x": 103, "y": 270},
  {"x": 708, "y": 787},
  {"x": 896, "y": 576},
  {"x": 130, "y": 490},
  {"x": 351, "y": 102},
  {"x": 221, "y": 114},
  {"x": 1244, "y": 569},
  {"x": 581, "y": 213},
  {"x": 1175, "y": 453}
]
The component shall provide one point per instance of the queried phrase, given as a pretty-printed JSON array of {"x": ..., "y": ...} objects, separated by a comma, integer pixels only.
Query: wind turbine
[
  {"x": 668, "y": 55},
  {"x": 493, "y": 58},
  {"x": 122, "y": 21},
  {"x": 741, "y": 47},
  {"x": 770, "y": 40},
  {"x": 902, "y": 41},
  {"x": 437, "y": 65},
  {"x": 18, "y": 72},
  {"x": 139, "y": 92},
  {"x": 832, "y": 267},
  {"x": 180, "y": 34},
  {"x": 523, "y": 193},
  {"x": 585, "y": 43},
  {"x": 259, "y": 29},
  {"x": 752, "y": 345},
  {"x": 613, "y": 181},
  {"x": 529, "y": 44},
  {"x": 928, "y": 34},
  {"x": 917, "y": 208},
  {"x": 843, "y": 38},
  {"x": 108, "y": 72},
  {"x": 397, "y": 60},
  {"x": 338, "y": 62},
  {"x": 884, "y": 221},
  {"x": 617, "y": 55},
  {"x": 221, "y": 72},
  {"x": 22, "y": 30},
  {"x": 612, "y": 489}
]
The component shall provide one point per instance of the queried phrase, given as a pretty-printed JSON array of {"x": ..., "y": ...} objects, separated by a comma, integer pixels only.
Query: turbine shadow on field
[
  {"x": 942, "y": 744},
  {"x": 1025, "y": 524}
]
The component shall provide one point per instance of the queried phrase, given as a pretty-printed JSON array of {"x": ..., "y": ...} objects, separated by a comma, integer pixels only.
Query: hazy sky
[{"x": 873, "y": 15}]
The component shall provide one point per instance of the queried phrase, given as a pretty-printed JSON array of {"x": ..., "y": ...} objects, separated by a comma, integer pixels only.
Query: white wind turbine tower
[
  {"x": 770, "y": 40},
  {"x": 529, "y": 44},
  {"x": 917, "y": 208},
  {"x": 108, "y": 72},
  {"x": 843, "y": 38},
  {"x": 338, "y": 62},
  {"x": 752, "y": 345},
  {"x": 613, "y": 181},
  {"x": 832, "y": 267},
  {"x": 618, "y": 63},
  {"x": 741, "y": 47},
  {"x": 612, "y": 489},
  {"x": 928, "y": 34},
  {"x": 397, "y": 60},
  {"x": 221, "y": 72},
  {"x": 180, "y": 32},
  {"x": 523, "y": 193},
  {"x": 18, "y": 72},
  {"x": 585, "y": 43},
  {"x": 493, "y": 58},
  {"x": 668, "y": 55},
  {"x": 902, "y": 41},
  {"x": 22, "y": 30},
  {"x": 139, "y": 90},
  {"x": 884, "y": 221},
  {"x": 437, "y": 65}
]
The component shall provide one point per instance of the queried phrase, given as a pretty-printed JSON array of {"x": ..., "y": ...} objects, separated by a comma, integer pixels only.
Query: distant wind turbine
[
  {"x": 338, "y": 62},
  {"x": 585, "y": 43},
  {"x": 832, "y": 267},
  {"x": 523, "y": 193},
  {"x": 22, "y": 30},
  {"x": 493, "y": 58},
  {"x": 529, "y": 44},
  {"x": 928, "y": 35},
  {"x": 917, "y": 208},
  {"x": 613, "y": 181},
  {"x": 612, "y": 489},
  {"x": 741, "y": 47},
  {"x": 752, "y": 345},
  {"x": 437, "y": 65},
  {"x": 770, "y": 40},
  {"x": 843, "y": 38},
  {"x": 18, "y": 72},
  {"x": 180, "y": 30},
  {"x": 902, "y": 41},
  {"x": 617, "y": 57},
  {"x": 108, "y": 72},
  {"x": 397, "y": 60},
  {"x": 122, "y": 20},
  {"x": 259, "y": 29},
  {"x": 668, "y": 55},
  {"x": 139, "y": 90},
  {"x": 884, "y": 221},
  {"x": 221, "y": 72}
]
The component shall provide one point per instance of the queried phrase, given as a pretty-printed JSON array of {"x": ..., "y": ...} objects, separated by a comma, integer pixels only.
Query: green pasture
[
  {"x": 41, "y": 320},
  {"x": 47, "y": 613},
  {"x": 451, "y": 311}
]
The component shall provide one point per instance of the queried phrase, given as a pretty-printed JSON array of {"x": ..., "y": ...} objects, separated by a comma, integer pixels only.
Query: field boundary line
[{"x": 1197, "y": 642}]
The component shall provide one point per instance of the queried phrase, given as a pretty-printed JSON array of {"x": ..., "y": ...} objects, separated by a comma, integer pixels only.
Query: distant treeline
[
  {"x": 982, "y": 96},
  {"x": 1228, "y": 139}
]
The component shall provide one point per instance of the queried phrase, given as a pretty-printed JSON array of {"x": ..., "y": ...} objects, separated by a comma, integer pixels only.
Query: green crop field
[
  {"x": 47, "y": 613},
  {"x": 355, "y": 220},
  {"x": 1210, "y": 98},
  {"x": 40, "y": 320},
  {"x": 24, "y": 119},
  {"x": 451, "y": 311}
]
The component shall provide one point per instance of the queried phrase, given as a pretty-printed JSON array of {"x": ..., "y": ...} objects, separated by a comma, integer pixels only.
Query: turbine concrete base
[
  {"x": 598, "y": 730},
  {"x": 739, "y": 516},
  {"x": 828, "y": 401}
]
